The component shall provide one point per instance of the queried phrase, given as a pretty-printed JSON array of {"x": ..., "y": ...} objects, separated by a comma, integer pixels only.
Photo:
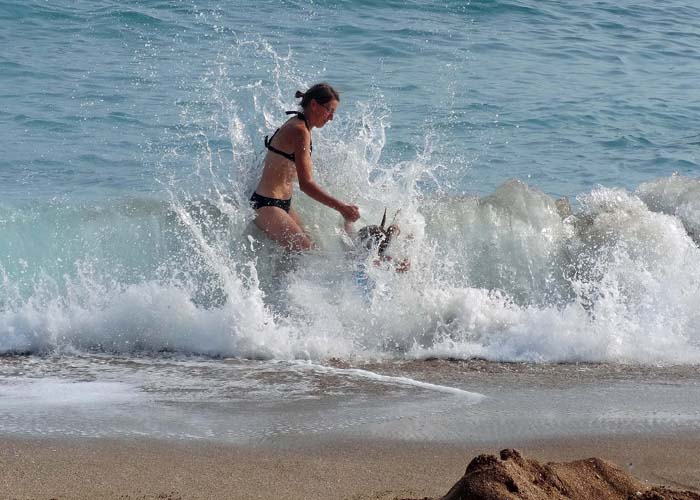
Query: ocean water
[{"x": 132, "y": 138}]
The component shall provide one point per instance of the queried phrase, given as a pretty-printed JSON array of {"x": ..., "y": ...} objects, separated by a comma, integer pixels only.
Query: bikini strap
[
  {"x": 289, "y": 156},
  {"x": 269, "y": 141},
  {"x": 268, "y": 145},
  {"x": 301, "y": 116}
]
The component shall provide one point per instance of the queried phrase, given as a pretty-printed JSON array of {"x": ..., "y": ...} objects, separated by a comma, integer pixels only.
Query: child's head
[{"x": 371, "y": 236}]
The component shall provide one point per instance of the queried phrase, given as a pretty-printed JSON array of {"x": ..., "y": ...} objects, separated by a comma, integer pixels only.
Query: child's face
[{"x": 391, "y": 233}]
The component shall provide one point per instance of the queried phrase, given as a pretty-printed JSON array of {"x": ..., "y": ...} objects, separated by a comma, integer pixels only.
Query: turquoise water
[
  {"x": 565, "y": 97},
  {"x": 132, "y": 136}
]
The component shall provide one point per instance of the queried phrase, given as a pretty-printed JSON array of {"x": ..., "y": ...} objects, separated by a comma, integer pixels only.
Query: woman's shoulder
[
  {"x": 296, "y": 125},
  {"x": 295, "y": 131}
]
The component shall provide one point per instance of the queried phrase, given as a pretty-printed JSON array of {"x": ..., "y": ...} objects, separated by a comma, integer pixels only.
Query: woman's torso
[{"x": 279, "y": 172}]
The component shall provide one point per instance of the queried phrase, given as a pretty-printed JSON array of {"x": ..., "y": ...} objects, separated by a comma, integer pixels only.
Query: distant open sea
[{"x": 132, "y": 136}]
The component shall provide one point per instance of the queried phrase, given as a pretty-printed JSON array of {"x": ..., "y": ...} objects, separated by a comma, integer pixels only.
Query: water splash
[{"x": 506, "y": 276}]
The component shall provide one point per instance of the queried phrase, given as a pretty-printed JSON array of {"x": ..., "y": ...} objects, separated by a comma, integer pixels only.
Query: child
[{"x": 376, "y": 237}]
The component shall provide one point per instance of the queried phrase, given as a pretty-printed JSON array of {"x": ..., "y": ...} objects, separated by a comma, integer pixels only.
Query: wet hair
[
  {"x": 371, "y": 236},
  {"x": 321, "y": 92}
]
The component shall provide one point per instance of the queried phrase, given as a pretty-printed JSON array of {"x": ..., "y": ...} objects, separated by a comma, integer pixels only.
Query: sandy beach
[
  {"x": 312, "y": 469},
  {"x": 408, "y": 435}
]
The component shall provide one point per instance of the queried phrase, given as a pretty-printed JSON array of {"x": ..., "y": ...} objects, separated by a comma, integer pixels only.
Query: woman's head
[
  {"x": 322, "y": 93},
  {"x": 319, "y": 103}
]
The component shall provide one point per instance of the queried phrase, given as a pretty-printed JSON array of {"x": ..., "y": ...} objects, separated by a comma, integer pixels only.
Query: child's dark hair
[
  {"x": 371, "y": 236},
  {"x": 322, "y": 93}
]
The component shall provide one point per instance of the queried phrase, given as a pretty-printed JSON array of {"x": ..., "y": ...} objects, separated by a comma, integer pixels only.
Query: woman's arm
[{"x": 309, "y": 187}]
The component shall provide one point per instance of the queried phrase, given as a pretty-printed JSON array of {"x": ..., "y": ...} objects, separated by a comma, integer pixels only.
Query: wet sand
[
  {"x": 305, "y": 432},
  {"x": 308, "y": 468}
]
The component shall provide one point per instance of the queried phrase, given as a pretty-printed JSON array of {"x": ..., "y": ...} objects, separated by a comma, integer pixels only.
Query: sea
[{"x": 542, "y": 159}]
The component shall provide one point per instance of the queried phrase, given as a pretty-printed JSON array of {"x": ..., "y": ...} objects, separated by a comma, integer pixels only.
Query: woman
[{"x": 289, "y": 156}]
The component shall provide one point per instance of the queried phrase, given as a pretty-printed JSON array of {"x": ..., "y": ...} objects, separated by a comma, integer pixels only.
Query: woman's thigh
[
  {"x": 279, "y": 226},
  {"x": 295, "y": 217}
]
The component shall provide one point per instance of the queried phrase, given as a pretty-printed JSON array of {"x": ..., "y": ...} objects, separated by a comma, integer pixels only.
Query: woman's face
[{"x": 324, "y": 112}]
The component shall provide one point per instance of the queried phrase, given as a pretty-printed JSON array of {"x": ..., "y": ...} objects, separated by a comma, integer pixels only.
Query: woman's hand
[{"x": 350, "y": 212}]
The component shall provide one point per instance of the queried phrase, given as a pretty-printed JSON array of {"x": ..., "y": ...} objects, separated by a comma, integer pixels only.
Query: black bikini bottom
[{"x": 258, "y": 201}]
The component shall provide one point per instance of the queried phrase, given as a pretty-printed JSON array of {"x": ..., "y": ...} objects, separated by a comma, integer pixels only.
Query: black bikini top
[{"x": 289, "y": 156}]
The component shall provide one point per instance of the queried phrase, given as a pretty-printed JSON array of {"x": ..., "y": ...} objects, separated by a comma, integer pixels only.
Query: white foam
[
  {"x": 614, "y": 282},
  {"x": 676, "y": 195},
  {"x": 406, "y": 381},
  {"x": 27, "y": 394}
]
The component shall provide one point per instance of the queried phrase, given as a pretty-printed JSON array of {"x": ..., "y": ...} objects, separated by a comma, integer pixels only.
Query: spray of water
[{"x": 509, "y": 276}]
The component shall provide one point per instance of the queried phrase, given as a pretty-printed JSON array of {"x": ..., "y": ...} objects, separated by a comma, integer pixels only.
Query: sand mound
[{"x": 513, "y": 477}]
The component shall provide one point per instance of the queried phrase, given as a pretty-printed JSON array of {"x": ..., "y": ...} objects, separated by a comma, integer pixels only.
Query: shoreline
[
  {"x": 306, "y": 467},
  {"x": 141, "y": 431}
]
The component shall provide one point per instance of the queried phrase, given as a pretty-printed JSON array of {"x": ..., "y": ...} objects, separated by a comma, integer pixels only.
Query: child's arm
[{"x": 402, "y": 265}]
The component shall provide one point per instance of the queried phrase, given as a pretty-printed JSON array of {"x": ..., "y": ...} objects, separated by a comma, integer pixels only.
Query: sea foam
[{"x": 503, "y": 277}]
